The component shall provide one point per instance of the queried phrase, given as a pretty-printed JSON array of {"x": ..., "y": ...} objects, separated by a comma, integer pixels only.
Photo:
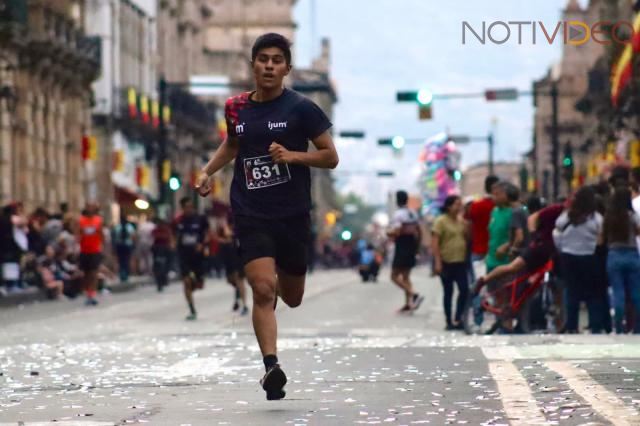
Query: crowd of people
[
  {"x": 591, "y": 237},
  {"x": 67, "y": 255}
]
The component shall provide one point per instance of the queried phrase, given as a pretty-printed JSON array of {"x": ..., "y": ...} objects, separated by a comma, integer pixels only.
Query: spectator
[
  {"x": 369, "y": 266},
  {"x": 90, "y": 239},
  {"x": 621, "y": 227},
  {"x": 37, "y": 243},
  {"x": 143, "y": 247},
  {"x": 123, "y": 238},
  {"x": 13, "y": 233},
  {"x": 479, "y": 215},
  {"x": 576, "y": 237},
  {"x": 449, "y": 246},
  {"x": 499, "y": 227},
  {"x": 162, "y": 243},
  {"x": 52, "y": 276},
  {"x": 519, "y": 230}
]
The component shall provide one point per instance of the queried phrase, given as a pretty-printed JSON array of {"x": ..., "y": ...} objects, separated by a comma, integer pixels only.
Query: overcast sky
[{"x": 381, "y": 46}]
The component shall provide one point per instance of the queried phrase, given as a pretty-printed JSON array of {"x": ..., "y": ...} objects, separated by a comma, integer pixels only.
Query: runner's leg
[
  {"x": 188, "y": 295},
  {"x": 290, "y": 288},
  {"x": 261, "y": 274}
]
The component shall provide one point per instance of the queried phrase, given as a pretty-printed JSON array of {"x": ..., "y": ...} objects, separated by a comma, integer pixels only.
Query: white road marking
[
  {"x": 519, "y": 404},
  {"x": 62, "y": 423},
  {"x": 602, "y": 400},
  {"x": 556, "y": 351}
]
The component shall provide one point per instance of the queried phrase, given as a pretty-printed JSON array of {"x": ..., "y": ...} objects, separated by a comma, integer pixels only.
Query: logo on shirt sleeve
[{"x": 240, "y": 129}]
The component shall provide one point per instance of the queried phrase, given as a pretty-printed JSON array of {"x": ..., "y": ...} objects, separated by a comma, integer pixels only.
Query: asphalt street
[{"x": 349, "y": 357}]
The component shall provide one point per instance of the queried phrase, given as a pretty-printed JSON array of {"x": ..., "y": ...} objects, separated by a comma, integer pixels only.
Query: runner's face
[{"x": 270, "y": 68}]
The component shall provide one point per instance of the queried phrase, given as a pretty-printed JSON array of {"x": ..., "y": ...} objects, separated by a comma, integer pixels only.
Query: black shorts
[
  {"x": 89, "y": 262},
  {"x": 231, "y": 259},
  {"x": 285, "y": 240},
  {"x": 191, "y": 262},
  {"x": 404, "y": 256}
]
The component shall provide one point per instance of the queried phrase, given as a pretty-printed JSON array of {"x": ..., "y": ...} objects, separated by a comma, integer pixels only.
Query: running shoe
[
  {"x": 417, "y": 300},
  {"x": 244, "y": 311},
  {"x": 406, "y": 309},
  {"x": 91, "y": 302},
  {"x": 236, "y": 306},
  {"x": 191, "y": 317},
  {"x": 273, "y": 383}
]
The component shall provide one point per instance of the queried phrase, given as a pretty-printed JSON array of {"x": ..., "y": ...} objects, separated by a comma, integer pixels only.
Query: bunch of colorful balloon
[{"x": 440, "y": 159}]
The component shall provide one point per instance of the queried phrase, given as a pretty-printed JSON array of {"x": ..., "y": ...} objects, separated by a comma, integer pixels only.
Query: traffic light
[
  {"x": 398, "y": 142},
  {"x": 567, "y": 162},
  {"x": 422, "y": 96},
  {"x": 346, "y": 235},
  {"x": 174, "y": 182}
]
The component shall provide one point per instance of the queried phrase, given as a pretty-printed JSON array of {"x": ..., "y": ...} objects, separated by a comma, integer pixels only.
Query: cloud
[{"x": 380, "y": 47}]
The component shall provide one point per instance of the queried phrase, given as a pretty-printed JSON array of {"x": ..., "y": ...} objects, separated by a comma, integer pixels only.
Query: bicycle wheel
[{"x": 476, "y": 318}]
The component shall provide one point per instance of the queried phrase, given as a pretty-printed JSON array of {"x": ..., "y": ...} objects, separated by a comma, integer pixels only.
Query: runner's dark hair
[{"x": 272, "y": 40}]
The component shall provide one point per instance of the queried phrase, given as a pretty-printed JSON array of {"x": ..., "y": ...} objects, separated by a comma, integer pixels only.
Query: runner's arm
[
  {"x": 223, "y": 156},
  {"x": 325, "y": 156}
]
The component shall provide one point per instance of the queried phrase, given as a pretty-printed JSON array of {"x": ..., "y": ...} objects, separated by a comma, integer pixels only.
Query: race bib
[
  {"x": 89, "y": 230},
  {"x": 189, "y": 239},
  {"x": 262, "y": 172}
]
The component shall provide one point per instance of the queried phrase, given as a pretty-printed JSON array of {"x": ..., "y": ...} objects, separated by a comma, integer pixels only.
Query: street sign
[
  {"x": 353, "y": 134},
  {"x": 461, "y": 139},
  {"x": 501, "y": 94},
  {"x": 424, "y": 112}
]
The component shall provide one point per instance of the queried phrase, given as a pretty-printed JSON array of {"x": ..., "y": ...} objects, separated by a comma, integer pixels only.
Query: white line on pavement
[
  {"x": 519, "y": 404},
  {"x": 604, "y": 402}
]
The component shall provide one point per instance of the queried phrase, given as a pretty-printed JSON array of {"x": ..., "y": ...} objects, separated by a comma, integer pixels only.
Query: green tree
[{"x": 356, "y": 213}]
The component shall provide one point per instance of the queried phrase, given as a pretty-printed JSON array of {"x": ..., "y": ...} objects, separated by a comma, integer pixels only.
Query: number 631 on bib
[{"x": 262, "y": 172}]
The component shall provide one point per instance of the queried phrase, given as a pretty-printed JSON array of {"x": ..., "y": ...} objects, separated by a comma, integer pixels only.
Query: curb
[{"x": 31, "y": 295}]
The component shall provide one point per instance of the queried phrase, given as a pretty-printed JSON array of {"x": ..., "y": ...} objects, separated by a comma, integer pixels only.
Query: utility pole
[
  {"x": 490, "y": 142},
  {"x": 162, "y": 142},
  {"x": 555, "y": 143}
]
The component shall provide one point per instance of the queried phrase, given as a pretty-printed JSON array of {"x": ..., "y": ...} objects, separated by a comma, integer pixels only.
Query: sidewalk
[{"x": 32, "y": 294}]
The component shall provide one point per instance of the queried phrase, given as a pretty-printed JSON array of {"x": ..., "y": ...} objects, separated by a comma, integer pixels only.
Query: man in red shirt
[
  {"x": 89, "y": 235},
  {"x": 479, "y": 215}
]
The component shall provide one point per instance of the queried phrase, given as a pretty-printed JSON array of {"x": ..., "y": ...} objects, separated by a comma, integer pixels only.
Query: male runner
[
  {"x": 89, "y": 236},
  {"x": 405, "y": 230},
  {"x": 268, "y": 135},
  {"x": 191, "y": 231}
]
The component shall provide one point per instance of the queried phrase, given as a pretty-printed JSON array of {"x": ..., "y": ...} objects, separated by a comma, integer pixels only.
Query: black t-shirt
[
  {"x": 261, "y": 188},
  {"x": 190, "y": 231}
]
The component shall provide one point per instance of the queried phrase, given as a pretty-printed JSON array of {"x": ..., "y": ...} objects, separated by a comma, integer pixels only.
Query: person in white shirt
[
  {"x": 405, "y": 231},
  {"x": 576, "y": 235}
]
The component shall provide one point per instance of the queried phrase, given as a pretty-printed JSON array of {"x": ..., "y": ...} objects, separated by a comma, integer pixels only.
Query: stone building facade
[
  {"x": 47, "y": 64},
  {"x": 571, "y": 75}
]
